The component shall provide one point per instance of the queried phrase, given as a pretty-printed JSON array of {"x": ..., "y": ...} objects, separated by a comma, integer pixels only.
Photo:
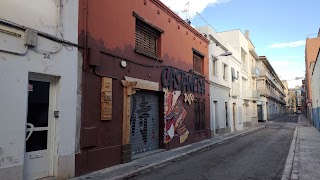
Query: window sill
[
  {"x": 198, "y": 74},
  {"x": 139, "y": 51}
]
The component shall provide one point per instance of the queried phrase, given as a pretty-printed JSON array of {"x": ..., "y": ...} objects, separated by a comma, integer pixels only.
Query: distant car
[{"x": 299, "y": 112}]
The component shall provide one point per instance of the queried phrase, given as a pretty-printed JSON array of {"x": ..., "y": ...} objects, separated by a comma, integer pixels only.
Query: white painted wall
[
  {"x": 221, "y": 89},
  {"x": 42, "y": 16}
]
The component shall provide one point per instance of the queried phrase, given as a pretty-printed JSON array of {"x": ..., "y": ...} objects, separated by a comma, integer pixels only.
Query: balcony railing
[
  {"x": 263, "y": 72},
  {"x": 271, "y": 94},
  {"x": 235, "y": 90},
  {"x": 255, "y": 72},
  {"x": 255, "y": 94},
  {"x": 246, "y": 94}
]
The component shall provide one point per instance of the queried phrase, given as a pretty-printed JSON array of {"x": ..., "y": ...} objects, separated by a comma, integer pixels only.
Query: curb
[
  {"x": 291, "y": 169},
  {"x": 172, "y": 159}
]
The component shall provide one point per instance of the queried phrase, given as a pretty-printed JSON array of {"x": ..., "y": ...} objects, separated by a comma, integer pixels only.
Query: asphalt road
[{"x": 260, "y": 155}]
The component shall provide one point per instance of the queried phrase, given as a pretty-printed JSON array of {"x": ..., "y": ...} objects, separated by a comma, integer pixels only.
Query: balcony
[
  {"x": 271, "y": 95},
  {"x": 246, "y": 94},
  {"x": 255, "y": 72},
  {"x": 235, "y": 89},
  {"x": 264, "y": 73},
  {"x": 255, "y": 94},
  {"x": 264, "y": 92}
]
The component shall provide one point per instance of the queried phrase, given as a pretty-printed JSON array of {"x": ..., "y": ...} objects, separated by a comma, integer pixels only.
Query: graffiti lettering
[
  {"x": 189, "y": 98},
  {"x": 143, "y": 118},
  {"x": 179, "y": 80}
]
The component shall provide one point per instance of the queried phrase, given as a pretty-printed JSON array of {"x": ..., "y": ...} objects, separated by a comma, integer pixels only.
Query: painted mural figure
[{"x": 175, "y": 114}]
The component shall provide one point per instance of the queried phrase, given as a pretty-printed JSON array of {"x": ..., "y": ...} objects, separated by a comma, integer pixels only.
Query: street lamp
[{"x": 228, "y": 53}]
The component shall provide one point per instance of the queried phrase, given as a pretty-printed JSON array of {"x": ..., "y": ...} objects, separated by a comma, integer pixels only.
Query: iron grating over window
[
  {"x": 146, "y": 39},
  {"x": 197, "y": 63},
  {"x": 200, "y": 114}
]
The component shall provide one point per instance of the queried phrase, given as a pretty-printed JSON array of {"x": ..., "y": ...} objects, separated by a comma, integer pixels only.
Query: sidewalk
[
  {"x": 160, "y": 159},
  {"x": 304, "y": 155}
]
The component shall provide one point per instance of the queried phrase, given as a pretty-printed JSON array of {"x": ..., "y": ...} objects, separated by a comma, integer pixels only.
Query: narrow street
[{"x": 261, "y": 155}]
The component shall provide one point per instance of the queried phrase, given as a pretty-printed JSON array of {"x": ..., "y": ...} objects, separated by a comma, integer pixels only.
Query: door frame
[
  {"x": 234, "y": 110},
  {"x": 53, "y": 98}
]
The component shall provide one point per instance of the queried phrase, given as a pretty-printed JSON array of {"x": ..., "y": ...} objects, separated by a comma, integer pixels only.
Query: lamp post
[{"x": 227, "y": 53}]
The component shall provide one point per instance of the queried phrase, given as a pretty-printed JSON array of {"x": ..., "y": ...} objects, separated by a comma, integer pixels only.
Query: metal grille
[
  {"x": 200, "y": 114},
  {"x": 144, "y": 121},
  {"x": 197, "y": 63},
  {"x": 146, "y": 38}
]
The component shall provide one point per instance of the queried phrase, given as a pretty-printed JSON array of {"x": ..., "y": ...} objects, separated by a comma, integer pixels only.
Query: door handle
[
  {"x": 31, "y": 130},
  {"x": 34, "y": 156}
]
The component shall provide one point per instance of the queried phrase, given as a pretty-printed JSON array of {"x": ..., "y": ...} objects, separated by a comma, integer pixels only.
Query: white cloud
[
  {"x": 178, "y": 6},
  {"x": 288, "y": 44}
]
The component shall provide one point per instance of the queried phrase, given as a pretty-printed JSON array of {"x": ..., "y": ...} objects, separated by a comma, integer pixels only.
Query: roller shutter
[{"x": 144, "y": 122}]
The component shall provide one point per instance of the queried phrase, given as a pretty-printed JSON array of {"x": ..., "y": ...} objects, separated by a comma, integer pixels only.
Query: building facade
[
  {"x": 39, "y": 65},
  {"x": 145, "y": 83},
  {"x": 287, "y": 97},
  {"x": 292, "y": 101},
  {"x": 271, "y": 90},
  {"x": 224, "y": 70},
  {"x": 254, "y": 73},
  {"x": 311, "y": 52},
  {"x": 244, "y": 105},
  {"x": 315, "y": 85}
]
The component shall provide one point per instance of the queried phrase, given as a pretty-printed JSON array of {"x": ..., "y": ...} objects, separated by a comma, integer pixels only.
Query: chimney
[
  {"x": 318, "y": 33},
  {"x": 246, "y": 34}
]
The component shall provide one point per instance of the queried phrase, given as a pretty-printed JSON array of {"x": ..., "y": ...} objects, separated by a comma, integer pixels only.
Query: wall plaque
[{"x": 106, "y": 99}]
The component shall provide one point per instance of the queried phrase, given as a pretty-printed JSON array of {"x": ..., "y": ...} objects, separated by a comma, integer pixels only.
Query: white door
[{"x": 37, "y": 159}]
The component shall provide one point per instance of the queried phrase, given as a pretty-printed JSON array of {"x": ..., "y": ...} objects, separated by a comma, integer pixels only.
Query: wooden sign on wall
[{"x": 106, "y": 99}]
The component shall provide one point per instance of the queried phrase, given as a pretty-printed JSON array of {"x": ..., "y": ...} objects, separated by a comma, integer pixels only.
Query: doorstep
[{"x": 148, "y": 153}]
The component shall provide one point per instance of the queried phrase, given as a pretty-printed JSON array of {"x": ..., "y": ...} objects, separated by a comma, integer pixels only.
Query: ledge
[{"x": 140, "y": 51}]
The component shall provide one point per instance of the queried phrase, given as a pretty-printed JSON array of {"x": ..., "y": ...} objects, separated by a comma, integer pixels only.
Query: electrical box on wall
[{"x": 30, "y": 38}]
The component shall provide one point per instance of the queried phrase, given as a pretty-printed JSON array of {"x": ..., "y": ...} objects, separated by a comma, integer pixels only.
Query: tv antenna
[{"x": 186, "y": 11}]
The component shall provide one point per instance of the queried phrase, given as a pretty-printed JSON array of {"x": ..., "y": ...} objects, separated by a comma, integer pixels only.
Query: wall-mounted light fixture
[{"x": 228, "y": 53}]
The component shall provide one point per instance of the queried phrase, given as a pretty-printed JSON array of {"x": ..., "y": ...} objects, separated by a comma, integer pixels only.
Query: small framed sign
[{"x": 106, "y": 99}]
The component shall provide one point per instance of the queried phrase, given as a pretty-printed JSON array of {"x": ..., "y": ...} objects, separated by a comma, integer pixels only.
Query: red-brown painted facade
[{"x": 107, "y": 33}]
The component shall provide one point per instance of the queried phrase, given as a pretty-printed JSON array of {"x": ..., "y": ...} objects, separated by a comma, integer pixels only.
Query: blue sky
[{"x": 278, "y": 28}]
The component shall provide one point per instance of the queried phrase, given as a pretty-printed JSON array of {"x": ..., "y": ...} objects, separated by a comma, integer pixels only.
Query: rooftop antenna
[{"x": 186, "y": 11}]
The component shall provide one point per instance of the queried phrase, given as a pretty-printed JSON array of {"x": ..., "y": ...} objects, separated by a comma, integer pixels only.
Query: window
[
  {"x": 197, "y": 63},
  {"x": 199, "y": 113},
  {"x": 147, "y": 39},
  {"x": 225, "y": 72},
  {"x": 244, "y": 60},
  {"x": 214, "y": 67}
]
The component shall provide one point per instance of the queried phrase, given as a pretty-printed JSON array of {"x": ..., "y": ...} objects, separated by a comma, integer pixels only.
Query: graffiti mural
[
  {"x": 175, "y": 114},
  {"x": 144, "y": 122},
  {"x": 143, "y": 118}
]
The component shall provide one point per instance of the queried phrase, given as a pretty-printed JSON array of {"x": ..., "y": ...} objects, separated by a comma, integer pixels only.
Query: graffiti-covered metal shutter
[{"x": 144, "y": 121}]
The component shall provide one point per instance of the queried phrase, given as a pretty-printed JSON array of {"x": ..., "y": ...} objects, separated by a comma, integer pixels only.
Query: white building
[
  {"x": 247, "y": 107},
  {"x": 272, "y": 96},
  {"x": 224, "y": 69},
  {"x": 254, "y": 72},
  {"x": 39, "y": 66}
]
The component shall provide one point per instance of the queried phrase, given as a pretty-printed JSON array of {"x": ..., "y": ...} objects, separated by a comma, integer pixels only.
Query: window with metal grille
[
  {"x": 199, "y": 114},
  {"x": 197, "y": 63},
  {"x": 146, "y": 39}
]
